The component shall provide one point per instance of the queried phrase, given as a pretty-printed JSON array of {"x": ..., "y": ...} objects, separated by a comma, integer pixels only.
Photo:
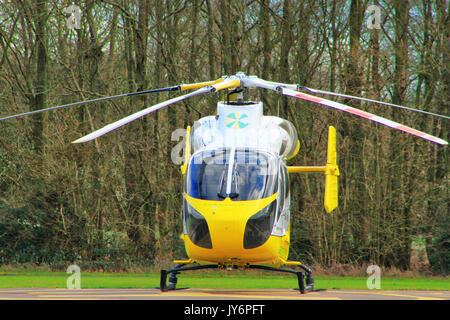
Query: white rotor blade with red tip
[
  {"x": 286, "y": 90},
  {"x": 364, "y": 114},
  {"x": 230, "y": 82},
  {"x": 373, "y": 101},
  {"x": 115, "y": 125}
]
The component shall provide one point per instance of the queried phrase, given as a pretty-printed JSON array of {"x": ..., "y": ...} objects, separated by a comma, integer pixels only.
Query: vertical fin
[{"x": 331, "y": 173}]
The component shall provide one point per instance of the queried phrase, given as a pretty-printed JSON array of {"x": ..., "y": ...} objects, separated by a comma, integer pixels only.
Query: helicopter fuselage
[
  {"x": 237, "y": 232},
  {"x": 236, "y": 201}
]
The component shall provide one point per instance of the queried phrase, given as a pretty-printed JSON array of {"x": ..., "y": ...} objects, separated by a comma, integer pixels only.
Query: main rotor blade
[
  {"x": 134, "y": 116},
  {"x": 199, "y": 84},
  {"x": 363, "y": 114},
  {"x": 175, "y": 88},
  {"x": 374, "y": 101},
  {"x": 217, "y": 86},
  {"x": 181, "y": 87},
  {"x": 285, "y": 90}
]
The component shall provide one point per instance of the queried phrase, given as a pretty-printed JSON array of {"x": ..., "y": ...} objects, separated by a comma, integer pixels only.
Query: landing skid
[{"x": 305, "y": 284}]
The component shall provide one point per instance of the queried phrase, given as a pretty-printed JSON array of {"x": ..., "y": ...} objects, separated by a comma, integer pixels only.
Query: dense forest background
[{"x": 115, "y": 203}]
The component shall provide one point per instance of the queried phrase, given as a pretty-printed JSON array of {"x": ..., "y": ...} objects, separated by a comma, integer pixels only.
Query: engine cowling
[{"x": 244, "y": 125}]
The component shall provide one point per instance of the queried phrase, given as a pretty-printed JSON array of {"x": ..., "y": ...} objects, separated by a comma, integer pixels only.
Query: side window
[
  {"x": 284, "y": 186},
  {"x": 286, "y": 181},
  {"x": 282, "y": 190}
]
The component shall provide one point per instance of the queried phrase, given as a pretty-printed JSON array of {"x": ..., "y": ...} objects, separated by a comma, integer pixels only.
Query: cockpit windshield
[{"x": 240, "y": 174}]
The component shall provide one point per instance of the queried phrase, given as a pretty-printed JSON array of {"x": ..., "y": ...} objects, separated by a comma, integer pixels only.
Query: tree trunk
[
  {"x": 401, "y": 181},
  {"x": 353, "y": 162},
  {"x": 287, "y": 38},
  {"x": 41, "y": 73}
]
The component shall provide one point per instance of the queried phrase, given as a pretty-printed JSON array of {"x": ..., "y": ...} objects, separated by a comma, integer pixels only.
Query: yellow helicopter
[{"x": 236, "y": 199}]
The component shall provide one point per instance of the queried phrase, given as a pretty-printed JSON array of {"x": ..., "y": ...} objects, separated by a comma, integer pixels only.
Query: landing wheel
[
  {"x": 309, "y": 278},
  {"x": 309, "y": 282},
  {"x": 304, "y": 285},
  {"x": 172, "y": 285},
  {"x": 163, "y": 286}
]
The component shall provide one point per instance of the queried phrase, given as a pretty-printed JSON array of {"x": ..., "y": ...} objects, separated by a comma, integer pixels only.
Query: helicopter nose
[
  {"x": 227, "y": 220},
  {"x": 227, "y": 227}
]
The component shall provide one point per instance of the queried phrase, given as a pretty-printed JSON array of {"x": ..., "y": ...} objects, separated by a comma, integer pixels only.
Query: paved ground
[{"x": 216, "y": 294}]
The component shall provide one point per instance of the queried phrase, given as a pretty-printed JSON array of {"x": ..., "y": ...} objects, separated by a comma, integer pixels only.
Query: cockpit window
[{"x": 239, "y": 174}]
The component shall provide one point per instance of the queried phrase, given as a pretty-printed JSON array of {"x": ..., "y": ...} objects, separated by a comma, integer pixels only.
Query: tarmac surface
[{"x": 216, "y": 294}]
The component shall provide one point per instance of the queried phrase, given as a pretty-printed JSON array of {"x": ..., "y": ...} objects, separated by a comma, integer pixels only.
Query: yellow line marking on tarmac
[
  {"x": 441, "y": 293},
  {"x": 249, "y": 295},
  {"x": 100, "y": 294},
  {"x": 383, "y": 293},
  {"x": 221, "y": 296},
  {"x": 94, "y": 296},
  {"x": 284, "y": 295}
]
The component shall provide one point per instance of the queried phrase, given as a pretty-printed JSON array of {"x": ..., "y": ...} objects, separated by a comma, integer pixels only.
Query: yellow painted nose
[{"x": 226, "y": 221}]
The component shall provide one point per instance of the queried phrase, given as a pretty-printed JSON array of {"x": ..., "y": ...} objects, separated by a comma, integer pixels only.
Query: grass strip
[{"x": 111, "y": 280}]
